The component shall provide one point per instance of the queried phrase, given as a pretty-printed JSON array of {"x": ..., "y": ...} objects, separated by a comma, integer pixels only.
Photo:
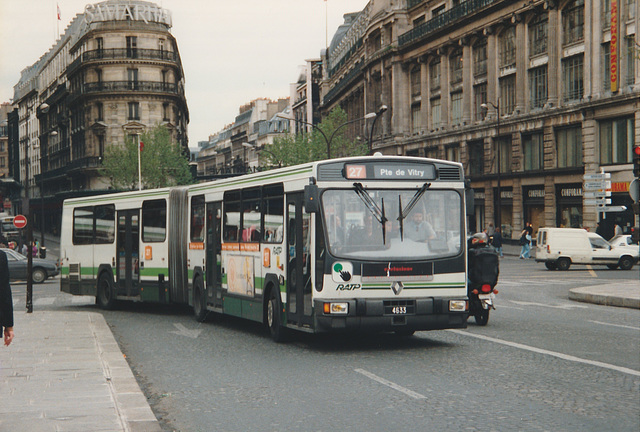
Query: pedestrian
[
  {"x": 617, "y": 230},
  {"x": 490, "y": 229},
  {"x": 496, "y": 241},
  {"x": 525, "y": 241},
  {"x": 6, "y": 302}
]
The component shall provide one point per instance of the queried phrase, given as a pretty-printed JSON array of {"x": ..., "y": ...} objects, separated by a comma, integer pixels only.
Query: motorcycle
[{"x": 484, "y": 268}]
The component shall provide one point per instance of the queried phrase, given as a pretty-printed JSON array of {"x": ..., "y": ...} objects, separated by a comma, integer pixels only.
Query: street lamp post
[
  {"x": 382, "y": 109},
  {"x": 496, "y": 106}
]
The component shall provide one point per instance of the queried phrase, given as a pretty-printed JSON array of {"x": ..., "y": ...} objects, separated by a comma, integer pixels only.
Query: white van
[{"x": 558, "y": 248}]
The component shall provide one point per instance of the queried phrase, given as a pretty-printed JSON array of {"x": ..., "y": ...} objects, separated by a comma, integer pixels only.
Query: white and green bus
[{"x": 374, "y": 243}]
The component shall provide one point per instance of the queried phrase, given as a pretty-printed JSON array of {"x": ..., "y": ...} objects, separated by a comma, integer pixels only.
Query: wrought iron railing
[
  {"x": 123, "y": 86},
  {"x": 446, "y": 18}
]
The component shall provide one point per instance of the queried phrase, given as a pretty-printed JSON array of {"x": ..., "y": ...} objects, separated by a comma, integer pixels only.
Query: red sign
[
  {"x": 613, "y": 53},
  {"x": 20, "y": 221}
]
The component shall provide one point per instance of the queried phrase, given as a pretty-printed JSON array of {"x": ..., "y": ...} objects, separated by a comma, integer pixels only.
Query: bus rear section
[{"x": 116, "y": 247}]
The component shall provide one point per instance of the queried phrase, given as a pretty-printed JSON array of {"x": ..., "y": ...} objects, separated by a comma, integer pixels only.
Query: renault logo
[{"x": 397, "y": 287}]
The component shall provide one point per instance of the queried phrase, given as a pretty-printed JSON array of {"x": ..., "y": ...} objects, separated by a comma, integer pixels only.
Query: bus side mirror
[
  {"x": 311, "y": 199},
  {"x": 469, "y": 200}
]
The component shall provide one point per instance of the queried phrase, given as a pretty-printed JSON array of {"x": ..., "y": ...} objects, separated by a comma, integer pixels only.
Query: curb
[{"x": 589, "y": 295}]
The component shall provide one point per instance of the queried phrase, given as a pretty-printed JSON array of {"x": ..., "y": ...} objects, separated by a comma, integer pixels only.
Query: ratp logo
[{"x": 342, "y": 272}]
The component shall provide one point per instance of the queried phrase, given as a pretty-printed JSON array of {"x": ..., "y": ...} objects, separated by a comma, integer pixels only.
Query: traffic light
[{"x": 636, "y": 160}]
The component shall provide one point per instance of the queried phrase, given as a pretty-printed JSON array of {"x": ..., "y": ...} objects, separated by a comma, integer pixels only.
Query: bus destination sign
[{"x": 387, "y": 171}]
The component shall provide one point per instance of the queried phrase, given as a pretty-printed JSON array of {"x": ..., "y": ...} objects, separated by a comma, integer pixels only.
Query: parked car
[
  {"x": 559, "y": 248},
  {"x": 41, "y": 268}
]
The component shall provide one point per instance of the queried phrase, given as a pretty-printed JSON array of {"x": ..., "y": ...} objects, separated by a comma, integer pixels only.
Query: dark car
[{"x": 41, "y": 268}]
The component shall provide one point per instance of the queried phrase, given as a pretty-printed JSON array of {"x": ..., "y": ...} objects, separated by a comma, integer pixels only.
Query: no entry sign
[{"x": 20, "y": 221}]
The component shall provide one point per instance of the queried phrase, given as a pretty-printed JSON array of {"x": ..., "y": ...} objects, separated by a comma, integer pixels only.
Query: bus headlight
[
  {"x": 457, "y": 305},
  {"x": 336, "y": 308}
]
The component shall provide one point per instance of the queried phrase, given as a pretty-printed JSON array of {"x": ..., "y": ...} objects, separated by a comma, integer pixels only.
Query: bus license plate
[{"x": 399, "y": 310}]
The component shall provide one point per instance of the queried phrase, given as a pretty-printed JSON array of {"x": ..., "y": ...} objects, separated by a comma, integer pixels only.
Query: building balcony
[
  {"x": 123, "y": 54},
  {"x": 128, "y": 86},
  {"x": 443, "y": 20}
]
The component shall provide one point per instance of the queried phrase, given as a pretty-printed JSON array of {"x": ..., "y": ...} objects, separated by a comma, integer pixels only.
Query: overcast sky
[{"x": 232, "y": 51}]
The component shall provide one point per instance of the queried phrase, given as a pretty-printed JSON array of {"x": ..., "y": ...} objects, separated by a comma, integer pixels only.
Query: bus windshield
[{"x": 389, "y": 224}]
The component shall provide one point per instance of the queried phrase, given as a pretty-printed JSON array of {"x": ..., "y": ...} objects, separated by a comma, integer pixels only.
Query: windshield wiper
[
  {"x": 404, "y": 212},
  {"x": 371, "y": 205}
]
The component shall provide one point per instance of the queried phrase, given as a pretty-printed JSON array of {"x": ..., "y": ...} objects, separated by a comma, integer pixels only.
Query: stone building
[
  {"x": 529, "y": 95},
  {"x": 115, "y": 72},
  {"x": 239, "y": 147}
]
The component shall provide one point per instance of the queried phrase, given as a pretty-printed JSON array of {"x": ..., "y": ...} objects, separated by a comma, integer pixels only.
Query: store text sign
[
  {"x": 613, "y": 54},
  {"x": 124, "y": 11}
]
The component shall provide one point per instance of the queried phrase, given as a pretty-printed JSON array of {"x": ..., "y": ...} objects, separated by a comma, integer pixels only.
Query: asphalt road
[{"x": 542, "y": 363}]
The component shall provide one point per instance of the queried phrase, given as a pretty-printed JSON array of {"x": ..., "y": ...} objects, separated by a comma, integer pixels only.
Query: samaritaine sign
[{"x": 127, "y": 11}]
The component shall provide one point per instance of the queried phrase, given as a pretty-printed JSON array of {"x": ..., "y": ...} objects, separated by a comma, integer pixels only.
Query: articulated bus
[{"x": 373, "y": 243}]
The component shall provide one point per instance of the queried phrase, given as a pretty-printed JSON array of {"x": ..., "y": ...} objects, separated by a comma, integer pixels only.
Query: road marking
[
  {"x": 46, "y": 301},
  {"x": 615, "y": 325},
  {"x": 83, "y": 299},
  {"x": 591, "y": 271},
  {"x": 501, "y": 306},
  {"x": 393, "y": 385},
  {"x": 550, "y": 353},
  {"x": 565, "y": 306},
  {"x": 183, "y": 331}
]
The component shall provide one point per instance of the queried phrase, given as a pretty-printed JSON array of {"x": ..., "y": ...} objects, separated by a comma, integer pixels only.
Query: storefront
[
  {"x": 569, "y": 205},
  {"x": 533, "y": 205},
  {"x": 506, "y": 209}
]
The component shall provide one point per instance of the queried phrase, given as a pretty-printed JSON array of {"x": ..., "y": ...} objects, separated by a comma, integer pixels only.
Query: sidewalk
[{"x": 64, "y": 371}]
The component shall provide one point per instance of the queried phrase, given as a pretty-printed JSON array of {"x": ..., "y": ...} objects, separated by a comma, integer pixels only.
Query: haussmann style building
[
  {"x": 530, "y": 96},
  {"x": 115, "y": 72}
]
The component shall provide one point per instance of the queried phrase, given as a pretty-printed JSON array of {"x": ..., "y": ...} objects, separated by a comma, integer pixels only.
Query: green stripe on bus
[
  {"x": 252, "y": 180},
  {"x": 416, "y": 285}
]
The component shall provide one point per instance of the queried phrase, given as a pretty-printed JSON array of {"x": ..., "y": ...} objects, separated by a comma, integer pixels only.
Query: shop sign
[
  {"x": 571, "y": 192},
  {"x": 123, "y": 11}
]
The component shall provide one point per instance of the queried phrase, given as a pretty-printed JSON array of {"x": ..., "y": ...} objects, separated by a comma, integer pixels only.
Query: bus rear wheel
[
  {"x": 105, "y": 297},
  {"x": 199, "y": 301},
  {"x": 273, "y": 317}
]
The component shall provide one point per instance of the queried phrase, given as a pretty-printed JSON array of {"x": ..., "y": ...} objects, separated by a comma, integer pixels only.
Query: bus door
[
  {"x": 214, "y": 255},
  {"x": 299, "y": 262},
  {"x": 127, "y": 249}
]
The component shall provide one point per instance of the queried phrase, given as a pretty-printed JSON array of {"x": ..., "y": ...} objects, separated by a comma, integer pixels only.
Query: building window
[
  {"x": 538, "y": 86},
  {"x": 456, "y": 108},
  {"x": 616, "y": 140},
  {"x": 480, "y": 97},
  {"x": 572, "y": 74},
  {"x": 569, "y": 142},
  {"x": 455, "y": 67},
  {"x": 437, "y": 11},
  {"x": 99, "y": 47},
  {"x": 434, "y": 75},
  {"x": 453, "y": 153},
  {"x": 507, "y": 48},
  {"x": 134, "y": 111},
  {"x": 415, "y": 82},
  {"x": 629, "y": 9},
  {"x": 606, "y": 66},
  {"x": 606, "y": 14},
  {"x": 508, "y": 94},
  {"x": 132, "y": 46},
  {"x": 502, "y": 148},
  {"x": 538, "y": 34},
  {"x": 415, "y": 118},
  {"x": 418, "y": 21},
  {"x": 532, "y": 149},
  {"x": 480, "y": 58},
  {"x": 573, "y": 22},
  {"x": 99, "y": 111},
  {"x": 476, "y": 157},
  {"x": 435, "y": 113},
  {"x": 132, "y": 75},
  {"x": 165, "y": 112},
  {"x": 632, "y": 53}
]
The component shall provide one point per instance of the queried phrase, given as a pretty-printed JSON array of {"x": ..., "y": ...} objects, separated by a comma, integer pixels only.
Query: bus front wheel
[{"x": 105, "y": 298}]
